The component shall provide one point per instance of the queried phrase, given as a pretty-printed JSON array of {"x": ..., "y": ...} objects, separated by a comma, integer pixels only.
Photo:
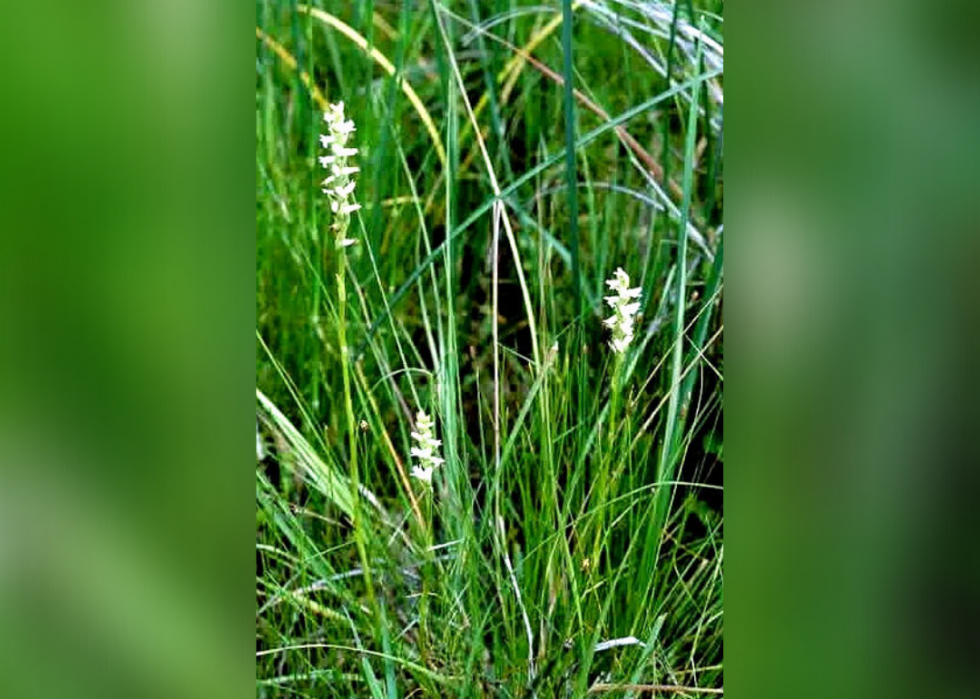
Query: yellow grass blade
[
  {"x": 290, "y": 61},
  {"x": 509, "y": 75},
  {"x": 512, "y": 71},
  {"x": 508, "y": 229},
  {"x": 387, "y": 66}
]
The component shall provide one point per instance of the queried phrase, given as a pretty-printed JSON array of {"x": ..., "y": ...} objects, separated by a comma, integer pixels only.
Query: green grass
[{"x": 580, "y": 501}]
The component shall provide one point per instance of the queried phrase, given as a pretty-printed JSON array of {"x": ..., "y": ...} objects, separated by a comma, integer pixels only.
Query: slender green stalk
[
  {"x": 571, "y": 172},
  {"x": 606, "y": 463},
  {"x": 670, "y": 451},
  {"x": 355, "y": 481}
]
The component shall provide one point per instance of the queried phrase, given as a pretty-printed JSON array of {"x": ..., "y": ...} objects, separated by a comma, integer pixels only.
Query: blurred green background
[
  {"x": 126, "y": 347},
  {"x": 853, "y": 209}
]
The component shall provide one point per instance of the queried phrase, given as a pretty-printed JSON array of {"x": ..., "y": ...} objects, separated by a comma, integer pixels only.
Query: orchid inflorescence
[
  {"x": 624, "y": 308},
  {"x": 425, "y": 452},
  {"x": 339, "y": 185}
]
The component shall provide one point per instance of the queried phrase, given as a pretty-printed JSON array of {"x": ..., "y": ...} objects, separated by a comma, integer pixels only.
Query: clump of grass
[{"x": 572, "y": 539}]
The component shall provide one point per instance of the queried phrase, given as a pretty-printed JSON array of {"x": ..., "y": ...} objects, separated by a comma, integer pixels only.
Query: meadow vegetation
[{"x": 554, "y": 526}]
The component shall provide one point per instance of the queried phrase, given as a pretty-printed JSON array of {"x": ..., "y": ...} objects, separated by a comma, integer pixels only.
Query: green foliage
[{"x": 580, "y": 498}]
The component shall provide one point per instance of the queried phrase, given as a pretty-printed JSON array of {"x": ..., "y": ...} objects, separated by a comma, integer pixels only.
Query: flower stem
[
  {"x": 352, "y": 431},
  {"x": 602, "y": 484}
]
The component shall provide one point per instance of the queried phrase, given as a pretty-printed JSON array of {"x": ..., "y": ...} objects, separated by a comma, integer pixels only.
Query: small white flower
[
  {"x": 624, "y": 310},
  {"x": 339, "y": 184},
  {"x": 425, "y": 452},
  {"x": 423, "y": 474}
]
